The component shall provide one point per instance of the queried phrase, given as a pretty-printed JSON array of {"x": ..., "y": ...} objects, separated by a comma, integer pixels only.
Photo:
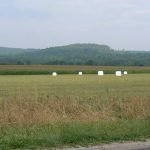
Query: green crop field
[
  {"x": 48, "y": 69},
  {"x": 41, "y": 111}
]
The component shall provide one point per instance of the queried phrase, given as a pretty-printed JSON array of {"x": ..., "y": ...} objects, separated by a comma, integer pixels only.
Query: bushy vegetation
[
  {"x": 45, "y": 111},
  {"x": 75, "y": 54}
]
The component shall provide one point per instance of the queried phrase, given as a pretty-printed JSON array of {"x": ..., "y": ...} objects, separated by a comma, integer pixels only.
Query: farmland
[
  {"x": 45, "y": 111},
  {"x": 66, "y": 69}
]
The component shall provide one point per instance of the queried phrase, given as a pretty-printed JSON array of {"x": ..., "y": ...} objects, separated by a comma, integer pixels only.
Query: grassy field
[
  {"x": 45, "y": 111},
  {"x": 48, "y": 69}
]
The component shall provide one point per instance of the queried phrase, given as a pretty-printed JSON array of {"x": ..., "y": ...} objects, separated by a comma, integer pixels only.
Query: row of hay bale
[{"x": 100, "y": 73}]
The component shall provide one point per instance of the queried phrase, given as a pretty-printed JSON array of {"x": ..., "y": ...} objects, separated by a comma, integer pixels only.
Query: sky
[{"x": 121, "y": 24}]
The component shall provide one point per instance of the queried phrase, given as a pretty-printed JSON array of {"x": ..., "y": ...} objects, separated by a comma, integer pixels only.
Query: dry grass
[
  {"x": 25, "y": 112},
  {"x": 36, "y": 101},
  {"x": 28, "y": 102}
]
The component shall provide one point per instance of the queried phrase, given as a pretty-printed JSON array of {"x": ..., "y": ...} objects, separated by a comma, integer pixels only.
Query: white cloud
[{"x": 143, "y": 12}]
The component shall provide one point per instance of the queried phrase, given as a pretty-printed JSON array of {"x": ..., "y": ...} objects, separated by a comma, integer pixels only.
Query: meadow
[{"x": 69, "y": 110}]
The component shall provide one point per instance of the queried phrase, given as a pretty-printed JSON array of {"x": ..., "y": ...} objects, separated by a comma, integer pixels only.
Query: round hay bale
[
  {"x": 54, "y": 74},
  {"x": 118, "y": 73},
  {"x": 125, "y": 72},
  {"x": 100, "y": 73},
  {"x": 80, "y": 73}
]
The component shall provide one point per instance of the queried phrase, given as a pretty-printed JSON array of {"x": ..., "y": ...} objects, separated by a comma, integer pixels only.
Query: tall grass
[{"x": 45, "y": 111}]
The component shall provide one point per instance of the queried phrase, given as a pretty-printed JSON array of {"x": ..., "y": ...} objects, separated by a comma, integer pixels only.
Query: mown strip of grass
[
  {"x": 22, "y": 72},
  {"x": 42, "y": 72},
  {"x": 61, "y": 69},
  {"x": 72, "y": 134}
]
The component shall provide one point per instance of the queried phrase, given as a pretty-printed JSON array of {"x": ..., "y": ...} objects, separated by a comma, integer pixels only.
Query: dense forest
[{"x": 75, "y": 54}]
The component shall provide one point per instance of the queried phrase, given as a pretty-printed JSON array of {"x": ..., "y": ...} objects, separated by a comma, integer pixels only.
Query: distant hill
[{"x": 75, "y": 54}]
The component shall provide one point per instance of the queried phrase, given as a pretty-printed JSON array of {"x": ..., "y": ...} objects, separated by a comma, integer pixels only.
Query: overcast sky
[{"x": 121, "y": 24}]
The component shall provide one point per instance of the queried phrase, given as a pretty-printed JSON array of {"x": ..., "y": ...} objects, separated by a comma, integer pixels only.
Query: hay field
[{"x": 45, "y": 111}]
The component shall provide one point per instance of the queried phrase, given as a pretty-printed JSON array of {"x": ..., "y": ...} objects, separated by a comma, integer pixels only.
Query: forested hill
[{"x": 75, "y": 54}]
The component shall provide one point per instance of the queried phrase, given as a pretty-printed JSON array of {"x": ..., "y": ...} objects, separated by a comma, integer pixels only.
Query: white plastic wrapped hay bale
[
  {"x": 54, "y": 74},
  {"x": 80, "y": 73},
  {"x": 118, "y": 73},
  {"x": 125, "y": 72},
  {"x": 100, "y": 73}
]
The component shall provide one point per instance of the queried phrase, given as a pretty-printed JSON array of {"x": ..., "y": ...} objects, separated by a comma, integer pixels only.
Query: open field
[
  {"x": 47, "y": 69},
  {"x": 46, "y": 111}
]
